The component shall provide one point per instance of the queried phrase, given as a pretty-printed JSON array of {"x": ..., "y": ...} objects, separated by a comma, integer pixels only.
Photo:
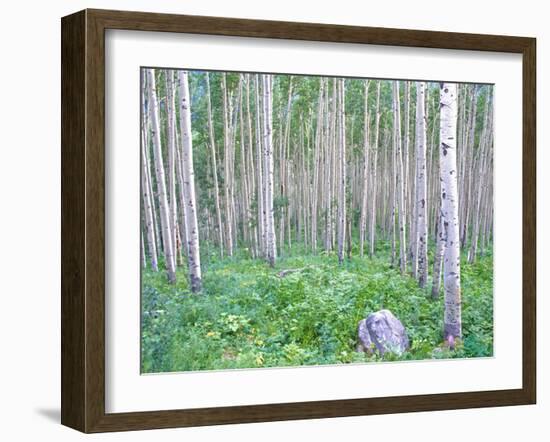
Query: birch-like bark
[
  {"x": 316, "y": 165},
  {"x": 227, "y": 169},
  {"x": 400, "y": 181},
  {"x": 161, "y": 182},
  {"x": 405, "y": 153},
  {"x": 268, "y": 167},
  {"x": 171, "y": 135},
  {"x": 449, "y": 211},
  {"x": 183, "y": 224},
  {"x": 214, "y": 164},
  {"x": 193, "y": 259},
  {"x": 260, "y": 171},
  {"x": 477, "y": 196},
  {"x": 145, "y": 183},
  {"x": 374, "y": 171},
  {"x": 366, "y": 172},
  {"x": 251, "y": 168},
  {"x": 341, "y": 170},
  {"x": 421, "y": 250},
  {"x": 438, "y": 256}
]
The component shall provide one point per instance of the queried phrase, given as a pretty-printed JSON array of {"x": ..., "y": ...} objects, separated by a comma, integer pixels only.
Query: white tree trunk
[
  {"x": 268, "y": 168},
  {"x": 194, "y": 260},
  {"x": 161, "y": 182},
  {"x": 214, "y": 165},
  {"x": 449, "y": 210},
  {"x": 400, "y": 180},
  {"x": 374, "y": 171},
  {"x": 145, "y": 184},
  {"x": 341, "y": 171},
  {"x": 438, "y": 256},
  {"x": 421, "y": 231},
  {"x": 171, "y": 117},
  {"x": 366, "y": 172},
  {"x": 260, "y": 171},
  {"x": 227, "y": 169}
]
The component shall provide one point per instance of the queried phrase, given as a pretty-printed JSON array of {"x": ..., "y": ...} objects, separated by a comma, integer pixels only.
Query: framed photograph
[{"x": 267, "y": 220}]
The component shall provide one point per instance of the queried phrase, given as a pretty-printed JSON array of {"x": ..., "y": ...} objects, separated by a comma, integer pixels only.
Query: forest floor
[{"x": 249, "y": 316}]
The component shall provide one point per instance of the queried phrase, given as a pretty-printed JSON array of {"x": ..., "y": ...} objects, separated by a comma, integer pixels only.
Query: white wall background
[{"x": 30, "y": 217}]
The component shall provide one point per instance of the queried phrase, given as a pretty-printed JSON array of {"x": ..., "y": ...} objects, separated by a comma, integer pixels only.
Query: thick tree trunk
[
  {"x": 193, "y": 259},
  {"x": 449, "y": 211},
  {"x": 161, "y": 182},
  {"x": 438, "y": 256}
]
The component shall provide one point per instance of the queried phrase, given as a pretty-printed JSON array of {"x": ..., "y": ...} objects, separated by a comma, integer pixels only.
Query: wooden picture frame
[{"x": 83, "y": 220}]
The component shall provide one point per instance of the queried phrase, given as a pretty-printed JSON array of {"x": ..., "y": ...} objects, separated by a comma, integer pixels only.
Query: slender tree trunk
[
  {"x": 421, "y": 247},
  {"x": 484, "y": 148},
  {"x": 364, "y": 207},
  {"x": 171, "y": 120},
  {"x": 449, "y": 211},
  {"x": 251, "y": 169},
  {"x": 183, "y": 223},
  {"x": 161, "y": 182},
  {"x": 214, "y": 165},
  {"x": 374, "y": 171},
  {"x": 193, "y": 259},
  {"x": 400, "y": 181},
  {"x": 145, "y": 186},
  {"x": 227, "y": 170},
  {"x": 316, "y": 165},
  {"x": 260, "y": 172},
  {"x": 268, "y": 167},
  {"x": 341, "y": 170}
]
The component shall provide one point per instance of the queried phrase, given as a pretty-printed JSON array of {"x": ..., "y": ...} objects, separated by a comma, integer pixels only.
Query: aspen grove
[{"x": 278, "y": 210}]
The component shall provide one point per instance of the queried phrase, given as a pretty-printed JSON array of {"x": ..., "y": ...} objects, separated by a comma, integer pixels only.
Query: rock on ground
[{"x": 382, "y": 331}]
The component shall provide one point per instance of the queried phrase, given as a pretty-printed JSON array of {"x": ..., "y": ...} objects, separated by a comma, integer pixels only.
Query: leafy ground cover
[{"x": 248, "y": 316}]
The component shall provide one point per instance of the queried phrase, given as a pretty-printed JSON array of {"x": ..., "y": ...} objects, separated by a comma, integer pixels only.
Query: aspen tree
[
  {"x": 366, "y": 171},
  {"x": 193, "y": 258},
  {"x": 268, "y": 167},
  {"x": 374, "y": 171},
  {"x": 262, "y": 222},
  {"x": 449, "y": 211},
  {"x": 400, "y": 189},
  {"x": 161, "y": 182},
  {"x": 341, "y": 170},
  {"x": 145, "y": 183},
  {"x": 421, "y": 230},
  {"x": 477, "y": 196},
  {"x": 171, "y": 123},
  {"x": 214, "y": 164},
  {"x": 227, "y": 169},
  {"x": 316, "y": 166}
]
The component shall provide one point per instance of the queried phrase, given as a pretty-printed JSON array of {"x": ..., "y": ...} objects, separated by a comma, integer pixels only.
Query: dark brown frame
[{"x": 83, "y": 217}]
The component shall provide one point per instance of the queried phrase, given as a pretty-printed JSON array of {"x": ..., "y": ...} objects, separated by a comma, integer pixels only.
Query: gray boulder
[{"x": 382, "y": 331}]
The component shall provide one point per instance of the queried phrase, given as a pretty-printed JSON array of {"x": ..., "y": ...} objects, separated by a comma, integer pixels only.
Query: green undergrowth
[{"x": 248, "y": 316}]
